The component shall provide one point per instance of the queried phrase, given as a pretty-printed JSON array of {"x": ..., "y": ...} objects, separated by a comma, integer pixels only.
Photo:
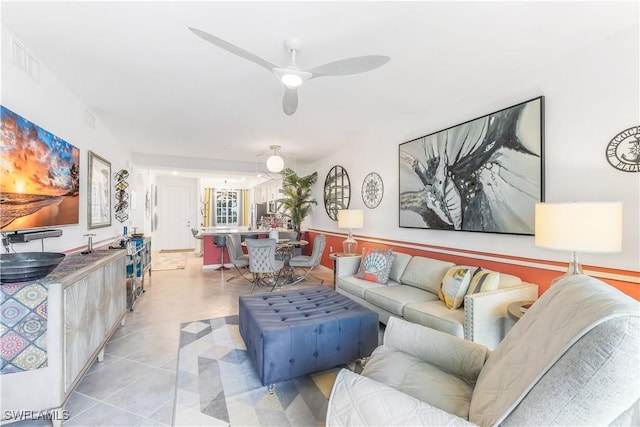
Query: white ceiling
[{"x": 166, "y": 92}]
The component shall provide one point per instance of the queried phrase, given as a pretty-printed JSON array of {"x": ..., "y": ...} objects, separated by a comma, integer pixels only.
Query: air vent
[{"x": 24, "y": 60}]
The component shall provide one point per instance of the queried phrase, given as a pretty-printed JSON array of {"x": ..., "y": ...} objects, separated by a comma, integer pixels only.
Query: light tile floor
[{"x": 135, "y": 384}]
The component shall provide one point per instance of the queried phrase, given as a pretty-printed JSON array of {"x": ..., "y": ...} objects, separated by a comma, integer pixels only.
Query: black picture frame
[{"x": 483, "y": 175}]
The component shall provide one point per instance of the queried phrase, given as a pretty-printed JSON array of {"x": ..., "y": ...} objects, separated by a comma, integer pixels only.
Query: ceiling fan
[{"x": 291, "y": 76}]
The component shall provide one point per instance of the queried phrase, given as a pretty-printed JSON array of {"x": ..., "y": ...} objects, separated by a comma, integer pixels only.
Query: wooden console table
[{"x": 80, "y": 305}]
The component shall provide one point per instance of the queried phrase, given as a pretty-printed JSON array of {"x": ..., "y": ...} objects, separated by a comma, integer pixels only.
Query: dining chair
[
  {"x": 291, "y": 236},
  {"x": 262, "y": 261},
  {"x": 238, "y": 258},
  {"x": 309, "y": 262}
]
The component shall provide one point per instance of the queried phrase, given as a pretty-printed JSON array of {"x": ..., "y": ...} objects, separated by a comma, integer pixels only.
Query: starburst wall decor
[{"x": 372, "y": 190}]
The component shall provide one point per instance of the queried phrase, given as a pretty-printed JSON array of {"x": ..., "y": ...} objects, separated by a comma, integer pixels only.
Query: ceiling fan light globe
[
  {"x": 291, "y": 80},
  {"x": 275, "y": 163}
]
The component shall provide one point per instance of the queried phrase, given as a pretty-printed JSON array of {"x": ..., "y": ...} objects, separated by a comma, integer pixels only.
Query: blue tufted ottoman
[{"x": 293, "y": 333}]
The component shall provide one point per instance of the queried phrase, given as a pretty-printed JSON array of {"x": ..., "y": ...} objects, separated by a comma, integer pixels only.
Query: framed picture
[
  {"x": 483, "y": 175},
  {"x": 99, "y": 200}
]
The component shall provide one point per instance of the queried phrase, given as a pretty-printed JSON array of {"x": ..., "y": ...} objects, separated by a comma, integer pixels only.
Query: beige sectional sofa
[
  {"x": 571, "y": 360},
  {"x": 412, "y": 293}
]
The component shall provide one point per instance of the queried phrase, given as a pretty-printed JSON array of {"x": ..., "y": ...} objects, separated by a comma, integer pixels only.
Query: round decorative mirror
[{"x": 337, "y": 191}]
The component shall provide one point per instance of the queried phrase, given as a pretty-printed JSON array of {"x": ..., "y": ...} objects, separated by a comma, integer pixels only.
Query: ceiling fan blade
[
  {"x": 358, "y": 64},
  {"x": 233, "y": 49},
  {"x": 290, "y": 101}
]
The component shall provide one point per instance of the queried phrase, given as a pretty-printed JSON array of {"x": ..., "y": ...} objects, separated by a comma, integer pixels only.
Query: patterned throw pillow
[
  {"x": 454, "y": 286},
  {"x": 375, "y": 265},
  {"x": 483, "y": 280}
]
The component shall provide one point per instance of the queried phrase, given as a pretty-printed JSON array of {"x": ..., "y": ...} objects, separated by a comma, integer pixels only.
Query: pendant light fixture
[{"x": 275, "y": 162}]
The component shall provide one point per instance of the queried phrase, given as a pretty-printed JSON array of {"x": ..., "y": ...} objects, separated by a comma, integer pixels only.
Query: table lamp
[
  {"x": 594, "y": 227},
  {"x": 350, "y": 218}
]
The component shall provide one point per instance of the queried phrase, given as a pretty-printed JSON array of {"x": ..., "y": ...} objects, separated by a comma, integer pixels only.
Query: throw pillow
[
  {"x": 454, "y": 286},
  {"x": 483, "y": 280},
  {"x": 375, "y": 265}
]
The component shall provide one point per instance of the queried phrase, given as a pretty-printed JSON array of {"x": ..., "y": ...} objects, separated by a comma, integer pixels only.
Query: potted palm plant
[{"x": 296, "y": 196}]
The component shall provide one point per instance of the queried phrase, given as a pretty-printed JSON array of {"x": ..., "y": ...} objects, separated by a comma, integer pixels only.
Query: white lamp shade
[
  {"x": 275, "y": 163},
  {"x": 350, "y": 218},
  {"x": 579, "y": 227}
]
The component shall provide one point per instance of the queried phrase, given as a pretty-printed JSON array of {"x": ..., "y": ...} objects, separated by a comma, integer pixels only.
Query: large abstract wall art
[
  {"x": 39, "y": 176},
  {"x": 483, "y": 175}
]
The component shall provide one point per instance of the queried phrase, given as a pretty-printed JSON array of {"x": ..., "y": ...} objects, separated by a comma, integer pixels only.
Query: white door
[{"x": 177, "y": 213}]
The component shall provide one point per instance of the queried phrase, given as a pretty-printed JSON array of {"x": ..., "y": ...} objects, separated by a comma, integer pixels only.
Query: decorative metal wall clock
[
  {"x": 372, "y": 190},
  {"x": 337, "y": 191},
  {"x": 623, "y": 151}
]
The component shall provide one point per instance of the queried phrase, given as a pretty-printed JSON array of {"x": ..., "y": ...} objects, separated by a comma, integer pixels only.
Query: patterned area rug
[
  {"x": 169, "y": 261},
  {"x": 217, "y": 385}
]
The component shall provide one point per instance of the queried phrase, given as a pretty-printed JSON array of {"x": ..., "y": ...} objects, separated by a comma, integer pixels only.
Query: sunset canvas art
[{"x": 39, "y": 176}]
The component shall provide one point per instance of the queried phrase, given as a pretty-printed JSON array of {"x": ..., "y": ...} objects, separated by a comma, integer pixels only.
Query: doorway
[{"x": 177, "y": 213}]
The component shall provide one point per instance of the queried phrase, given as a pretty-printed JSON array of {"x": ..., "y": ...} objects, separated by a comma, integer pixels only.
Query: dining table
[{"x": 285, "y": 249}]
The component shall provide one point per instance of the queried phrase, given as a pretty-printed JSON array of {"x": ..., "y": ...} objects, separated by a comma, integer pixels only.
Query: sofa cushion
[
  {"x": 563, "y": 314},
  {"x": 357, "y": 287},
  {"x": 375, "y": 264},
  {"x": 606, "y": 355},
  {"x": 505, "y": 280},
  {"x": 419, "y": 379},
  {"x": 454, "y": 286},
  {"x": 394, "y": 298},
  {"x": 483, "y": 281},
  {"x": 399, "y": 265},
  {"x": 508, "y": 281},
  {"x": 425, "y": 273},
  {"x": 436, "y": 315}
]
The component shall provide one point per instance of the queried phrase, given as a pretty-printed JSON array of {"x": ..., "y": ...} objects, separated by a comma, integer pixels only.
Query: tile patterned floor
[{"x": 134, "y": 385}]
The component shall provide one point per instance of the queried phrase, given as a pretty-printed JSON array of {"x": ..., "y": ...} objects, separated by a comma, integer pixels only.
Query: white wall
[
  {"x": 591, "y": 95},
  {"x": 140, "y": 216},
  {"x": 50, "y": 105}
]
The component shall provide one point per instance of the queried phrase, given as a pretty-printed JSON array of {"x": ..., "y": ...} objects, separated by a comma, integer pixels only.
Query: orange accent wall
[{"x": 539, "y": 276}]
